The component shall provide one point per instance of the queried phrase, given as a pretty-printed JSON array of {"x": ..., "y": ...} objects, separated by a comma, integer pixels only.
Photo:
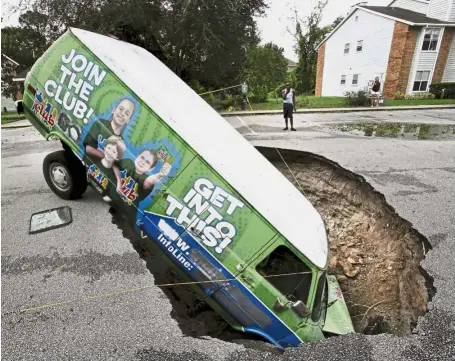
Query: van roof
[{"x": 216, "y": 141}]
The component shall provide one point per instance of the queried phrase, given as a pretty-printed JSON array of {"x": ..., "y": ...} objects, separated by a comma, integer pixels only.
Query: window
[
  {"x": 295, "y": 286},
  {"x": 356, "y": 18},
  {"x": 343, "y": 80},
  {"x": 421, "y": 81},
  {"x": 320, "y": 299},
  {"x": 430, "y": 39},
  {"x": 346, "y": 48},
  {"x": 355, "y": 79},
  {"x": 359, "y": 46}
]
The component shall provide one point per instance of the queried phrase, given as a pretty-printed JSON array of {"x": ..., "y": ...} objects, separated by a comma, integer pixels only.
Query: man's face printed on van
[
  {"x": 123, "y": 112},
  {"x": 144, "y": 162}
]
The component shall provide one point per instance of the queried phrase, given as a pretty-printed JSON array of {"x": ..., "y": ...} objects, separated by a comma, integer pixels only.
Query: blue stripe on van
[{"x": 237, "y": 299}]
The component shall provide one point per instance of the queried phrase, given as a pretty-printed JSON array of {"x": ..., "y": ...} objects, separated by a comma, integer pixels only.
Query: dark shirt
[
  {"x": 133, "y": 191},
  {"x": 376, "y": 86}
]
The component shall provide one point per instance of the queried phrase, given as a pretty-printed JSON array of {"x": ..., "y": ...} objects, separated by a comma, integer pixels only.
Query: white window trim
[
  {"x": 430, "y": 79},
  {"x": 359, "y": 51},
  {"x": 441, "y": 31},
  {"x": 341, "y": 78},
  {"x": 357, "y": 84},
  {"x": 430, "y": 76}
]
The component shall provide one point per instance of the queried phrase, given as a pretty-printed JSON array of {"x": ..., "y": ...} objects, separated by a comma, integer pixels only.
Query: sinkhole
[{"x": 374, "y": 253}]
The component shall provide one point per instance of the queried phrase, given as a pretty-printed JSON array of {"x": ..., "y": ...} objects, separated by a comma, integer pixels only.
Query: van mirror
[
  {"x": 300, "y": 309},
  {"x": 279, "y": 306}
]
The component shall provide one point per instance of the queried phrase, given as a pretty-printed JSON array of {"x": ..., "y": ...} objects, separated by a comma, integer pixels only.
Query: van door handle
[{"x": 248, "y": 280}]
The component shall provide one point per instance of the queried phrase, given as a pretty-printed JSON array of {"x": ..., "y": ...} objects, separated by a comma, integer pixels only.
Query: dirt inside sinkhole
[{"x": 374, "y": 253}]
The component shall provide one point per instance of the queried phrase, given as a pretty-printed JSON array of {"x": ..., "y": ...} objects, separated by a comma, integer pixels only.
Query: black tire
[{"x": 65, "y": 174}]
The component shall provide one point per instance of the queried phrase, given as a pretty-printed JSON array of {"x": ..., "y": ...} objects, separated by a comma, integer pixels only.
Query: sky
[
  {"x": 274, "y": 26},
  {"x": 277, "y": 22}
]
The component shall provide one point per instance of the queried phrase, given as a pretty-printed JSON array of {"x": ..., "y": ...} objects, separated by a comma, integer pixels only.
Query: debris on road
[{"x": 50, "y": 219}]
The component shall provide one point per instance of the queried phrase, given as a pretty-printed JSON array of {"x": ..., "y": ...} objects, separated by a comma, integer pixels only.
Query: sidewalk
[
  {"x": 341, "y": 110},
  {"x": 19, "y": 124},
  {"x": 25, "y": 123}
]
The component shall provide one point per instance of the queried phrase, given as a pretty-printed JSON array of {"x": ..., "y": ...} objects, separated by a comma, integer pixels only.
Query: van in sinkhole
[{"x": 186, "y": 180}]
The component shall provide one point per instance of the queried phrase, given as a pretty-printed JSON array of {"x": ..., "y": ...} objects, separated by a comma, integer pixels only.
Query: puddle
[{"x": 398, "y": 130}]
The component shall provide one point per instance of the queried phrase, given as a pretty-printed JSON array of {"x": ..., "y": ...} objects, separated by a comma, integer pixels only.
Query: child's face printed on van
[
  {"x": 110, "y": 153},
  {"x": 144, "y": 162},
  {"x": 123, "y": 112}
]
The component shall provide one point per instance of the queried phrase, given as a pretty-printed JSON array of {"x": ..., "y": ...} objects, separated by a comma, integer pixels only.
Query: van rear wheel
[{"x": 65, "y": 174}]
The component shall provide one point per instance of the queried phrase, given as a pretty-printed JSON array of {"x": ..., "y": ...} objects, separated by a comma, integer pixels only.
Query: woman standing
[{"x": 288, "y": 105}]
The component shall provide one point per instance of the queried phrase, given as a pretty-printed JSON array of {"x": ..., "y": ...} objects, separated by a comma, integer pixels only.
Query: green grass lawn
[
  {"x": 392, "y": 102},
  {"x": 313, "y": 102},
  {"x": 303, "y": 102},
  {"x": 10, "y": 117}
]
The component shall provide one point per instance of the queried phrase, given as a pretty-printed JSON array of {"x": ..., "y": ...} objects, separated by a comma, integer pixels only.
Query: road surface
[{"x": 91, "y": 258}]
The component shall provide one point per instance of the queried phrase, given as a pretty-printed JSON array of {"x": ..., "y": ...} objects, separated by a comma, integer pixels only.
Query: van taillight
[{"x": 31, "y": 89}]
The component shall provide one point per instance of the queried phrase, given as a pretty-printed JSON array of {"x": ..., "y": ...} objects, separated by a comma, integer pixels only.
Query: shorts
[
  {"x": 375, "y": 93},
  {"x": 288, "y": 108}
]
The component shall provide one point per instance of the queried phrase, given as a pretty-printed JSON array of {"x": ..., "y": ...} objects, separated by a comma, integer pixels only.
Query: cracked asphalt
[{"x": 65, "y": 267}]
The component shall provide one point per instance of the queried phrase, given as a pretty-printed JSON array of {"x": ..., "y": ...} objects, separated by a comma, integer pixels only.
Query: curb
[
  {"x": 342, "y": 110},
  {"x": 16, "y": 126}
]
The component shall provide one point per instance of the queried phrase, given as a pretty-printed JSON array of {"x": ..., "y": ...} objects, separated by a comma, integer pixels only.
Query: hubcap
[{"x": 60, "y": 177}]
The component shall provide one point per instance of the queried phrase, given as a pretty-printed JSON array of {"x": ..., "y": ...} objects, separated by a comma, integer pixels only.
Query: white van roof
[{"x": 216, "y": 141}]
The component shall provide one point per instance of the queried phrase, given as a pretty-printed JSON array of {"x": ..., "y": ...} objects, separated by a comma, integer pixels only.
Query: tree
[
  {"x": 210, "y": 38},
  {"x": 335, "y": 23},
  {"x": 24, "y": 47},
  {"x": 204, "y": 40},
  {"x": 308, "y": 35},
  {"x": 266, "y": 69}
]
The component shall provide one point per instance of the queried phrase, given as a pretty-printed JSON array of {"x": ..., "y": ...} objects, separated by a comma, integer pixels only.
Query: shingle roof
[{"x": 404, "y": 14}]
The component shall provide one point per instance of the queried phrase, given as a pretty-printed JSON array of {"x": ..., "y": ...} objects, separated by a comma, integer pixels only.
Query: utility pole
[{"x": 244, "y": 92}]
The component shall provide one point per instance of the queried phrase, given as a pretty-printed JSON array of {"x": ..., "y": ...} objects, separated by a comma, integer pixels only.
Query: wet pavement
[{"x": 129, "y": 319}]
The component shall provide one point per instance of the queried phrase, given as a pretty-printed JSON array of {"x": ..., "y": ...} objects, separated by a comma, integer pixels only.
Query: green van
[{"x": 189, "y": 181}]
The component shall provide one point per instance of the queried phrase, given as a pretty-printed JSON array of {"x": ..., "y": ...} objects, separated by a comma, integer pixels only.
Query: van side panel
[
  {"x": 218, "y": 282},
  {"x": 77, "y": 97},
  {"x": 204, "y": 204},
  {"x": 166, "y": 190}
]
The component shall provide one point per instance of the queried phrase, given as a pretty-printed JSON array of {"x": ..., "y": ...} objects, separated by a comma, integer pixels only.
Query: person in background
[
  {"x": 288, "y": 105},
  {"x": 375, "y": 92}
]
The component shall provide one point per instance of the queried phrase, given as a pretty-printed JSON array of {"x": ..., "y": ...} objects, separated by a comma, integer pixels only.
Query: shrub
[
  {"x": 196, "y": 86},
  {"x": 443, "y": 90},
  {"x": 359, "y": 98},
  {"x": 399, "y": 96},
  {"x": 223, "y": 104},
  {"x": 257, "y": 96},
  {"x": 304, "y": 103},
  {"x": 416, "y": 96}
]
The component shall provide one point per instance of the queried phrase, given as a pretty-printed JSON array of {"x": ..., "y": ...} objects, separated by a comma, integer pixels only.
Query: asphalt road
[{"x": 91, "y": 258}]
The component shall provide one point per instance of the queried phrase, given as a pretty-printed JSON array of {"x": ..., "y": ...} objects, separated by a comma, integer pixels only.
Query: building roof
[
  {"x": 291, "y": 62},
  {"x": 22, "y": 75},
  {"x": 395, "y": 13},
  {"x": 408, "y": 16},
  {"x": 427, "y": 2}
]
